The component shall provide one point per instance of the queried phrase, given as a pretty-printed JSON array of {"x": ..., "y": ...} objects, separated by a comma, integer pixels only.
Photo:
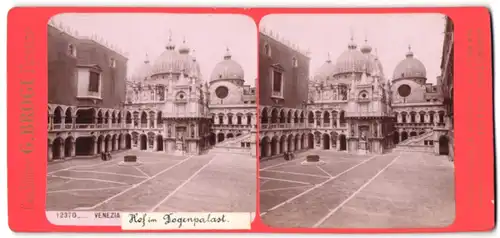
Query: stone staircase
[
  {"x": 233, "y": 145},
  {"x": 416, "y": 144},
  {"x": 417, "y": 139}
]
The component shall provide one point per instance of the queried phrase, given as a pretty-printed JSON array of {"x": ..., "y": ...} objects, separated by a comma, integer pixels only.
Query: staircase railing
[
  {"x": 234, "y": 139},
  {"x": 415, "y": 138}
]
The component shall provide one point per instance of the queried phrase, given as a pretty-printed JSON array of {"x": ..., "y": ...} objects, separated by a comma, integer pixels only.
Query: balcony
[
  {"x": 95, "y": 126},
  {"x": 283, "y": 126},
  {"x": 231, "y": 126}
]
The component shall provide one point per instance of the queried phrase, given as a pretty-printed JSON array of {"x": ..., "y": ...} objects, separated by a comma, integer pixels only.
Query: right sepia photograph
[{"x": 356, "y": 121}]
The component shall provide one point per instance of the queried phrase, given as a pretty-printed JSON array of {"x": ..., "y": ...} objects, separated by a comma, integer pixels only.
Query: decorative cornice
[
  {"x": 276, "y": 36},
  {"x": 96, "y": 38}
]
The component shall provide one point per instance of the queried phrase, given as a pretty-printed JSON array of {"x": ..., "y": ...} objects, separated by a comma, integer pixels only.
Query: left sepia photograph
[{"x": 150, "y": 113}]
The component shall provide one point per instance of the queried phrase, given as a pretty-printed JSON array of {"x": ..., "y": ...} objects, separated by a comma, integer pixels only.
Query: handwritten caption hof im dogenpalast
[{"x": 175, "y": 220}]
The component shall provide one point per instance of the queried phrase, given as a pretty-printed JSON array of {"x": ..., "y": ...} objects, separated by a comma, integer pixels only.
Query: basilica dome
[
  {"x": 410, "y": 67},
  {"x": 227, "y": 69},
  {"x": 352, "y": 60},
  {"x": 326, "y": 70},
  {"x": 173, "y": 61}
]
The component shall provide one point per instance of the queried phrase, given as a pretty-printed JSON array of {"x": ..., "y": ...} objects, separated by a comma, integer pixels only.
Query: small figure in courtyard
[
  {"x": 103, "y": 156},
  {"x": 287, "y": 157},
  {"x": 108, "y": 156}
]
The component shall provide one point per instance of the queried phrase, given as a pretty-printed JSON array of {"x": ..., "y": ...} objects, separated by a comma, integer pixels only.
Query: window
[
  {"x": 277, "y": 84},
  {"x": 295, "y": 63},
  {"x": 239, "y": 120},
  {"x": 112, "y": 63},
  {"x": 221, "y": 92},
  {"x": 94, "y": 79},
  {"x": 404, "y": 90},
  {"x": 249, "y": 120},
  {"x": 267, "y": 50},
  {"x": 221, "y": 119},
  {"x": 71, "y": 50}
]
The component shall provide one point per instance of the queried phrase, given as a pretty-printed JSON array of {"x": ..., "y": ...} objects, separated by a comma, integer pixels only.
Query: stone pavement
[
  {"x": 395, "y": 190},
  {"x": 204, "y": 183}
]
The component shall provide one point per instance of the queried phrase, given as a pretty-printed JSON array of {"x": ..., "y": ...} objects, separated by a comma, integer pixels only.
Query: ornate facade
[
  {"x": 283, "y": 78},
  {"x": 168, "y": 99},
  {"x": 86, "y": 91},
  {"x": 165, "y": 105},
  {"x": 353, "y": 106}
]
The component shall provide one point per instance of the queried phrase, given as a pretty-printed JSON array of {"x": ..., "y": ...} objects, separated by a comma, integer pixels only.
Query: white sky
[
  {"x": 208, "y": 34},
  {"x": 389, "y": 33}
]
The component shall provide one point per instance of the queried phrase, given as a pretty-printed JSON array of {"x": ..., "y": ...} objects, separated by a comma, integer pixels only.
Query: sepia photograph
[
  {"x": 356, "y": 121},
  {"x": 151, "y": 113}
]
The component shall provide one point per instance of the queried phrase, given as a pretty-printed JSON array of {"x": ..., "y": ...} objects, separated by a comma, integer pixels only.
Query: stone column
[
  {"x": 103, "y": 145},
  {"x": 63, "y": 122},
  {"x": 110, "y": 145},
  {"x": 379, "y": 130},
  {"x": 73, "y": 122},
  {"x": 61, "y": 150},
  {"x": 51, "y": 121},
  {"x": 268, "y": 149},
  {"x": 338, "y": 142},
  {"x": 155, "y": 145},
  {"x": 49, "y": 152},
  {"x": 338, "y": 121},
  {"x": 95, "y": 146},
  {"x": 277, "y": 147},
  {"x": 73, "y": 148}
]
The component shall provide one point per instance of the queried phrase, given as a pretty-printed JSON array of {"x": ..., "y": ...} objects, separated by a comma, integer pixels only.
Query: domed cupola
[
  {"x": 184, "y": 48},
  {"x": 410, "y": 68},
  {"x": 172, "y": 61},
  {"x": 352, "y": 60},
  {"x": 326, "y": 70},
  {"x": 366, "y": 48},
  {"x": 228, "y": 69}
]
